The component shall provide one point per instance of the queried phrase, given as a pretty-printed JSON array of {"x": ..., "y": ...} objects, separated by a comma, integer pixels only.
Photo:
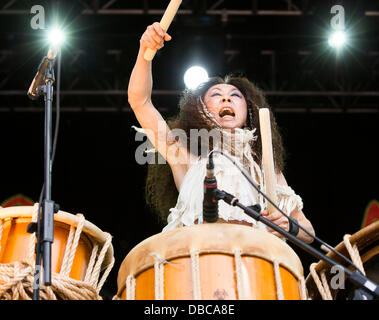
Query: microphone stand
[
  {"x": 44, "y": 227},
  {"x": 371, "y": 289}
]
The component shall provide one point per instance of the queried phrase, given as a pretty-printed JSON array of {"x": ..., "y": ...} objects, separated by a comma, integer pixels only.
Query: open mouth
[{"x": 226, "y": 111}]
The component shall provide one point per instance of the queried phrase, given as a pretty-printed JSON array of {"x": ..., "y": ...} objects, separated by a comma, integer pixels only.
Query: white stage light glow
[
  {"x": 194, "y": 76},
  {"x": 337, "y": 39},
  {"x": 56, "y": 37}
]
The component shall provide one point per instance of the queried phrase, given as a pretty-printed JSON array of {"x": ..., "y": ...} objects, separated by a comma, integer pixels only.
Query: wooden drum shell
[
  {"x": 15, "y": 244},
  {"x": 218, "y": 246},
  {"x": 15, "y": 241}
]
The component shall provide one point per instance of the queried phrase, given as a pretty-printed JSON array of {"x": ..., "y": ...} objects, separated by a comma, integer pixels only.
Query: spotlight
[
  {"x": 337, "y": 39},
  {"x": 195, "y": 76},
  {"x": 56, "y": 37}
]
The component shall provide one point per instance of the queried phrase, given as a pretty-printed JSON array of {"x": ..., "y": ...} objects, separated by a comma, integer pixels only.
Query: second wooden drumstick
[
  {"x": 165, "y": 22},
  {"x": 268, "y": 157}
]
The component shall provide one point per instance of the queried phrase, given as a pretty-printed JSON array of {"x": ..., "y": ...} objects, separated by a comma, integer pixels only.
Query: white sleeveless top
[{"x": 189, "y": 206}]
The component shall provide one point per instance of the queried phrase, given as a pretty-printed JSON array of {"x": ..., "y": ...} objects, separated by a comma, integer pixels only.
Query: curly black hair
[{"x": 161, "y": 193}]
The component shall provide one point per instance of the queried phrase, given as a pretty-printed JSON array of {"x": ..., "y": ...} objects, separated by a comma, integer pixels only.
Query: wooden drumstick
[
  {"x": 268, "y": 157},
  {"x": 165, "y": 22}
]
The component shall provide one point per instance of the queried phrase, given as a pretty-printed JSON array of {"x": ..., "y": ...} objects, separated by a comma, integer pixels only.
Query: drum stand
[
  {"x": 44, "y": 227},
  {"x": 370, "y": 289}
]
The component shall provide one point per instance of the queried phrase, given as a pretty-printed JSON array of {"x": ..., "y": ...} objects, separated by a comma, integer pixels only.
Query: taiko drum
[
  {"x": 16, "y": 241},
  {"x": 211, "y": 261}
]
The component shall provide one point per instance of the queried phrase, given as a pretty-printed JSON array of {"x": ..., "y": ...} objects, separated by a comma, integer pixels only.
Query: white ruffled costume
[{"x": 189, "y": 206}]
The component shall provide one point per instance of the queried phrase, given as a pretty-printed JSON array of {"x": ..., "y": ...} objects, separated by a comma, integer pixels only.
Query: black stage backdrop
[
  {"x": 332, "y": 164},
  {"x": 332, "y": 161}
]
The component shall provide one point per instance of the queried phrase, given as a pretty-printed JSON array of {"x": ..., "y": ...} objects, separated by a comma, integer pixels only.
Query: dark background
[{"x": 325, "y": 104}]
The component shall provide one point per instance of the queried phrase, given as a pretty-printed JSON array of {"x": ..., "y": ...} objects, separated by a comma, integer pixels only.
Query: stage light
[
  {"x": 195, "y": 76},
  {"x": 56, "y": 37},
  {"x": 337, "y": 39}
]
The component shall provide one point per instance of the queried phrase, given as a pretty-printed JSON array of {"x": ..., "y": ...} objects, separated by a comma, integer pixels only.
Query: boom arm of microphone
[
  {"x": 210, "y": 213},
  {"x": 357, "y": 278},
  {"x": 212, "y": 195},
  {"x": 323, "y": 243}
]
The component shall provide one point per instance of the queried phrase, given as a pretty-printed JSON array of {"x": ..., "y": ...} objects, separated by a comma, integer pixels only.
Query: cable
[{"x": 287, "y": 216}]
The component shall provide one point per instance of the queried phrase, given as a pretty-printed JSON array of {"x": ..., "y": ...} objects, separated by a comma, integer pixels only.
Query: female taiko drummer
[{"x": 229, "y": 106}]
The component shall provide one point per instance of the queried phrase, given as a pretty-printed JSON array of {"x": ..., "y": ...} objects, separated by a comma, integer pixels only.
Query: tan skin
[{"x": 216, "y": 98}]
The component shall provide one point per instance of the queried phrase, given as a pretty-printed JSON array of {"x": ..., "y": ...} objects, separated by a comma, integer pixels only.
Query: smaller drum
[
  {"x": 211, "y": 261},
  {"x": 362, "y": 248},
  {"x": 79, "y": 253}
]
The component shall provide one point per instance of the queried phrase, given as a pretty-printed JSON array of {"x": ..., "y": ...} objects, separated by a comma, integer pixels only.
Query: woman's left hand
[{"x": 277, "y": 218}]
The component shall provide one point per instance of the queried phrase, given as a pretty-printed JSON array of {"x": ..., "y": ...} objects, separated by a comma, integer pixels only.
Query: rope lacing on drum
[
  {"x": 239, "y": 277},
  {"x": 195, "y": 268},
  {"x": 17, "y": 278},
  {"x": 303, "y": 289},
  {"x": 354, "y": 253},
  {"x": 278, "y": 281},
  {"x": 322, "y": 284}
]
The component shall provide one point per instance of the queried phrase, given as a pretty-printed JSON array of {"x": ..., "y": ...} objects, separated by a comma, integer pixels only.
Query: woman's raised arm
[{"x": 139, "y": 97}]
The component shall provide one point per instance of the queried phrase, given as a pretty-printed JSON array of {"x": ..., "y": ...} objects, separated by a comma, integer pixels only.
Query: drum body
[
  {"x": 15, "y": 246},
  {"x": 211, "y": 261},
  {"x": 79, "y": 252},
  {"x": 362, "y": 248}
]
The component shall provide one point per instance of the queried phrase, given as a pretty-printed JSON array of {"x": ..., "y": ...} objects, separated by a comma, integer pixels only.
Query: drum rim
[
  {"x": 357, "y": 238},
  {"x": 362, "y": 238},
  {"x": 92, "y": 231},
  {"x": 293, "y": 263}
]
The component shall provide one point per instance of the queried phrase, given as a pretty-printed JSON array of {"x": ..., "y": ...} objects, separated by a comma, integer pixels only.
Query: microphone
[
  {"x": 34, "y": 90},
  {"x": 210, "y": 203}
]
